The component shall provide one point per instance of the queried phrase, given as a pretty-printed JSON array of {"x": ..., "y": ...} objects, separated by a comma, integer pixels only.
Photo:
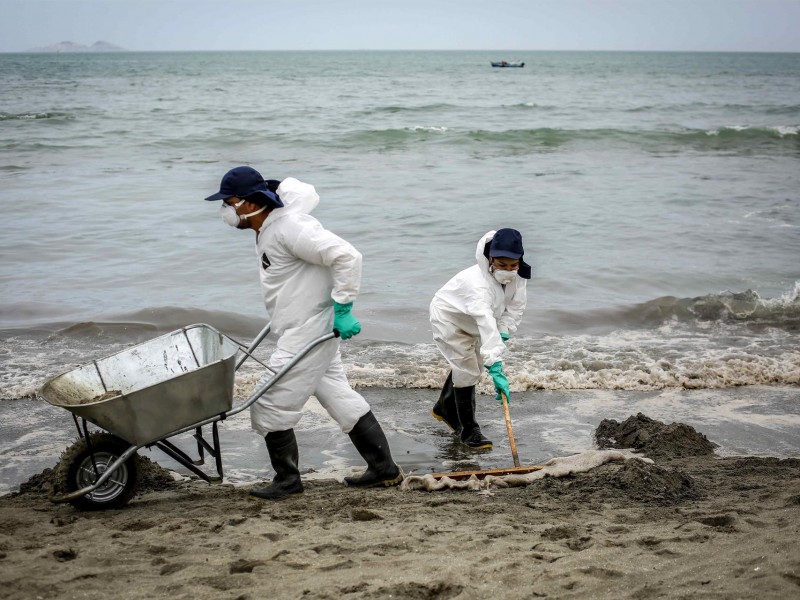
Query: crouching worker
[
  {"x": 472, "y": 317},
  {"x": 310, "y": 278}
]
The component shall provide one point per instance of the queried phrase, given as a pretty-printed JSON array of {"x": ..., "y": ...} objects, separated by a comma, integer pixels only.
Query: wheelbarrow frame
[{"x": 203, "y": 445}]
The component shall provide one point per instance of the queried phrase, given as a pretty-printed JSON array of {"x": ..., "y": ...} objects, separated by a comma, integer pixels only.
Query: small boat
[{"x": 505, "y": 63}]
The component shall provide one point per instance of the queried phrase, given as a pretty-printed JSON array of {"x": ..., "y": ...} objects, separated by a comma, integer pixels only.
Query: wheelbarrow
[{"x": 143, "y": 396}]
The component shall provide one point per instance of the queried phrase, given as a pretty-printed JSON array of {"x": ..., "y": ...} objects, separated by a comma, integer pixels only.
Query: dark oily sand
[
  {"x": 653, "y": 438},
  {"x": 152, "y": 477},
  {"x": 634, "y": 480}
]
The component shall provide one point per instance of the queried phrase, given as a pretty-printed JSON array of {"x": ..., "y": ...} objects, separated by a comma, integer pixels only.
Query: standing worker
[
  {"x": 472, "y": 317},
  {"x": 310, "y": 278}
]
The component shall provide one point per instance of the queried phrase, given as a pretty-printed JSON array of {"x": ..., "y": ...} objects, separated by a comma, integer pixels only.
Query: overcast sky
[{"x": 703, "y": 25}]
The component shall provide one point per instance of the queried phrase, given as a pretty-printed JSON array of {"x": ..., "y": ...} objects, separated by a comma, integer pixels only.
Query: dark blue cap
[
  {"x": 243, "y": 182},
  {"x": 507, "y": 243}
]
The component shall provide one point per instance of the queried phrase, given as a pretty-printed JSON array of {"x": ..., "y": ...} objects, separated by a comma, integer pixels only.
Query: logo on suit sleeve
[{"x": 265, "y": 261}]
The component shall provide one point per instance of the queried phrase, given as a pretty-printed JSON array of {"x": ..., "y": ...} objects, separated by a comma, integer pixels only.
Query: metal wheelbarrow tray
[{"x": 148, "y": 391}]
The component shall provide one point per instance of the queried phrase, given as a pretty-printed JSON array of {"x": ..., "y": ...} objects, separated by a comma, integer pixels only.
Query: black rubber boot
[
  {"x": 283, "y": 454},
  {"x": 370, "y": 441},
  {"x": 471, "y": 433},
  {"x": 445, "y": 408}
]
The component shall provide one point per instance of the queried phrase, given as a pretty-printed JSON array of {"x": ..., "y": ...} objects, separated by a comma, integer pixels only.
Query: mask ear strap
[{"x": 254, "y": 213}]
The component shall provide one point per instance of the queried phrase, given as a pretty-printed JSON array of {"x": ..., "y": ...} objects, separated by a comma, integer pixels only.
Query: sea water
[{"x": 657, "y": 195}]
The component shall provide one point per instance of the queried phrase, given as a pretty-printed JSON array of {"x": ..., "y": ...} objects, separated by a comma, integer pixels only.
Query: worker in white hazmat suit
[
  {"x": 472, "y": 317},
  {"x": 310, "y": 278}
]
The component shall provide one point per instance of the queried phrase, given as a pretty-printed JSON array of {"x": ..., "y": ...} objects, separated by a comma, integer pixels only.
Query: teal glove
[
  {"x": 500, "y": 381},
  {"x": 504, "y": 336},
  {"x": 344, "y": 322}
]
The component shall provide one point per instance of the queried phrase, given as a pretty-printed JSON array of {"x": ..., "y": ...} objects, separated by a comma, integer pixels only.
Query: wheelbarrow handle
[
  {"x": 254, "y": 344},
  {"x": 260, "y": 390}
]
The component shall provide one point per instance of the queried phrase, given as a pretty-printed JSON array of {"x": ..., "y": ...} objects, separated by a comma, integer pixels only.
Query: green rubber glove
[
  {"x": 504, "y": 336},
  {"x": 500, "y": 381},
  {"x": 344, "y": 322}
]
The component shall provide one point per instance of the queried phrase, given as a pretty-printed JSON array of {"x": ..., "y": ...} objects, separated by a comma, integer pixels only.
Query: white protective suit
[
  {"x": 468, "y": 314},
  {"x": 303, "y": 268}
]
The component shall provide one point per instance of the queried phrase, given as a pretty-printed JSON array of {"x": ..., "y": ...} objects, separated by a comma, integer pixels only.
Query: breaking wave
[
  {"x": 624, "y": 360},
  {"x": 726, "y": 138},
  {"x": 393, "y": 109},
  {"x": 746, "y": 309},
  {"x": 719, "y": 340},
  {"x": 33, "y": 116}
]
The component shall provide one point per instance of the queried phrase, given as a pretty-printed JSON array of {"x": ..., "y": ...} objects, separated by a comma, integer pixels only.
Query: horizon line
[{"x": 125, "y": 50}]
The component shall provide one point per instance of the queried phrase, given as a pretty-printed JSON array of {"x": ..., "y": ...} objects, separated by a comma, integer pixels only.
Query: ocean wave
[
  {"x": 33, "y": 116},
  {"x": 443, "y": 107},
  {"x": 623, "y": 360},
  {"x": 725, "y": 138},
  {"x": 785, "y": 109},
  {"x": 719, "y": 340},
  {"x": 781, "y": 109},
  {"x": 731, "y": 138},
  {"x": 397, "y": 108},
  {"x": 28, "y": 146},
  {"x": 131, "y": 328},
  {"x": 532, "y": 106},
  {"x": 747, "y": 132},
  {"x": 655, "y": 139},
  {"x": 655, "y": 360},
  {"x": 745, "y": 309},
  {"x": 671, "y": 357}
]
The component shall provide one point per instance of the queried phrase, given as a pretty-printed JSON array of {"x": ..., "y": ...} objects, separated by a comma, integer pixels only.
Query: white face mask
[
  {"x": 504, "y": 277},
  {"x": 230, "y": 217}
]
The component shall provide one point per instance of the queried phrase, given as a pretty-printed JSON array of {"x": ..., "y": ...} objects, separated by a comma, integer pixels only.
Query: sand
[{"x": 689, "y": 525}]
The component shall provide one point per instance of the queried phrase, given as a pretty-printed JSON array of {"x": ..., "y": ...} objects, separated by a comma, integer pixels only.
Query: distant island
[{"x": 99, "y": 46}]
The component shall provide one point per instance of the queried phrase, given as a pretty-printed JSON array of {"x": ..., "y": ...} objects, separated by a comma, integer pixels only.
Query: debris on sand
[{"x": 653, "y": 438}]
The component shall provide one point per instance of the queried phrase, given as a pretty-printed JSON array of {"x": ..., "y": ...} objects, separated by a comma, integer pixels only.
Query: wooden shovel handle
[{"x": 511, "y": 441}]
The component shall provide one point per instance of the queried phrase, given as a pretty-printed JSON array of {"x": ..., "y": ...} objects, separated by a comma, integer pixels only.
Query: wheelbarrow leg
[
  {"x": 89, "y": 446},
  {"x": 214, "y": 450},
  {"x": 198, "y": 435},
  {"x": 179, "y": 455}
]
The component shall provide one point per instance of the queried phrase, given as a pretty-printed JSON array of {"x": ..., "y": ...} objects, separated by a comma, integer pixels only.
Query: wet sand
[
  {"x": 748, "y": 421},
  {"x": 689, "y": 525}
]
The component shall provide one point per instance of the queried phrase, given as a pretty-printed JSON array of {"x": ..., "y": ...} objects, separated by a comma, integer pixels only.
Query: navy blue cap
[
  {"x": 243, "y": 182},
  {"x": 507, "y": 243}
]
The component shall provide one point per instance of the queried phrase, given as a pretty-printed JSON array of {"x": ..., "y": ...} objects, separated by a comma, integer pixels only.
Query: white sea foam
[
  {"x": 671, "y": 356},
  {"x": 786, "y": 130},
  {"x": 781, "y": 130},
  {"x": 695, "y": 355}
]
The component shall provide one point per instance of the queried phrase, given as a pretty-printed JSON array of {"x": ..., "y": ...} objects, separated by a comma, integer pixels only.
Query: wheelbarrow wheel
[{"x": 76, "y": 471}]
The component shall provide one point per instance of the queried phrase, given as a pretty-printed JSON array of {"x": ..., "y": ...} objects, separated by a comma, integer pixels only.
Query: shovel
[{"x": 516, "y": 469}]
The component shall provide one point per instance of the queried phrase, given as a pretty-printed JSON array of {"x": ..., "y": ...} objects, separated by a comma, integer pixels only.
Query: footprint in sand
[{"x": 724, "y": 522}]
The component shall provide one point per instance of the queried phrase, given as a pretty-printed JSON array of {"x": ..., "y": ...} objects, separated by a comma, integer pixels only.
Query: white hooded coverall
[
  {"x": 303, "y": 268},
  {"x": 469, "y": 312}
]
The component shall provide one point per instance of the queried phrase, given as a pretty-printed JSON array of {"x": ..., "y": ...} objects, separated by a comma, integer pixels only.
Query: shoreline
[
  {"x": 747, "y": 421},
  {"x": 686, "y": 526}
]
